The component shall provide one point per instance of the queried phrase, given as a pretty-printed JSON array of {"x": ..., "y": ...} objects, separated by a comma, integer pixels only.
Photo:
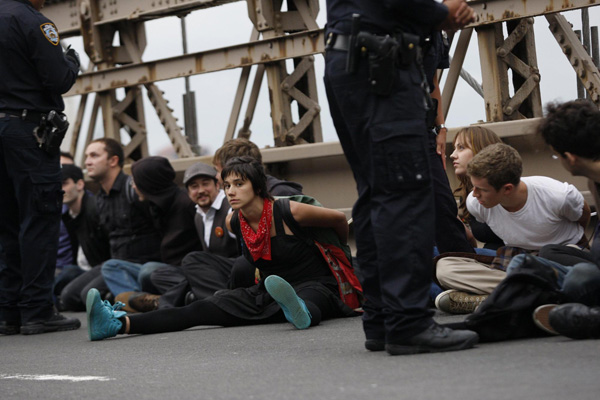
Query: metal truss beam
[
  {"x": 494, "y": 11},
  {"x": 264, "y": 51},
  {"x": 65, "y": 14}
]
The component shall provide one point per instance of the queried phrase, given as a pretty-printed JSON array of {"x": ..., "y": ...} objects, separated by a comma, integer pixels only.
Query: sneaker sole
[
  {"x": 285, "y": 295},
  {"x": 399, "y": 350},
  {"x": 541, "y": 318},
  {"x": 92, "y": 295}
]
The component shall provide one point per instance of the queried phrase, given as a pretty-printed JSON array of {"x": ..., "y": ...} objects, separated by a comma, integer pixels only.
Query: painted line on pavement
[{"x": 67, "y": 378}]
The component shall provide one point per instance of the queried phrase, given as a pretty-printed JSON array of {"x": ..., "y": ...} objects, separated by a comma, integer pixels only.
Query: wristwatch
[{"x": 438, "y": 128}]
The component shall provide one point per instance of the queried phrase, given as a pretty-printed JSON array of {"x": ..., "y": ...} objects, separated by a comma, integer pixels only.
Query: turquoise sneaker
[
  {"x": 102, "y": 317},
  {"x": 293, "y": 306}
]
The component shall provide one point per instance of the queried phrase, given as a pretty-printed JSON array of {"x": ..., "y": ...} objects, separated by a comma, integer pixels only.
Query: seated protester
[
  {"x": 66, "y": 258},
  {"x": 243, "y": 147},
  {"x": 571, "y": 130},
  {"x": 467, "y": 143},
  {"x": 89, "y": 239},
  {"x": 527, "y": 213},
  {"x": 131, "y": 232},
  {"x": 173, "y": 214},
  {"x": 207, "y": 272},
  {"x": 298, "y": 284},
  {"x": 210, "y": 268}
]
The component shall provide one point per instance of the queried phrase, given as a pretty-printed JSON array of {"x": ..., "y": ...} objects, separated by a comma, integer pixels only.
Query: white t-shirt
[{"x": 549, "y": 216}]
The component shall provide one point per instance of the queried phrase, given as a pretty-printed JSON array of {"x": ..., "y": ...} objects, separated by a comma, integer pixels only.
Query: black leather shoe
[
  {"x": 375, "y": 345},
  {"x": 56, "y": 323},
  {"x": 434, "y": 339},
  {"x": 576, "y": 321},
  {"x": 190, "y": 297},
  {"x": 9, "y": 328}
]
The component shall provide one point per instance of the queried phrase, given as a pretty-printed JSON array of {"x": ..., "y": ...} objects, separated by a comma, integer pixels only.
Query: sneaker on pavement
[
  {"x": 56, "y": 323},
  {"x": 293, "y": 306},
  {"x": 541, "y": 318},
  {"x": 576, "y": 321},
  {"x": 144, "y": 302},
  {"x": 102, "y": 317},
  {"x": 456, "y": 302},
  {"x": 434, "y": 339}
]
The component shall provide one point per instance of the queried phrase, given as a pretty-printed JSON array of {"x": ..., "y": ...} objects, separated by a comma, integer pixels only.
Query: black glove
[{"x": 72, "y": 55}]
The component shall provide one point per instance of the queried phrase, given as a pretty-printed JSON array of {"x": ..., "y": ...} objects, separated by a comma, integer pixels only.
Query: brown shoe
[
  {"x": 541, "y": 318},
  {"x": 124, "y": 298},
  {"x": 144, "y": 302}
]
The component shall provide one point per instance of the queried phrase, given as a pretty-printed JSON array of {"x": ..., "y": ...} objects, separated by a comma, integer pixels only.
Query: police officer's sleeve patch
[{"x": 51, "y": 33}]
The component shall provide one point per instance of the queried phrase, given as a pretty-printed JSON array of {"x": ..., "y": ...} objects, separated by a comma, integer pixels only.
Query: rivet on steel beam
[
  {"x": 508, "y": 110},
  {"x": 501, "y": 52}
]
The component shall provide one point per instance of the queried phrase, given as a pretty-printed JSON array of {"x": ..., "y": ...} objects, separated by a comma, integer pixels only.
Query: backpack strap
[{"x": 283, "y": 205}]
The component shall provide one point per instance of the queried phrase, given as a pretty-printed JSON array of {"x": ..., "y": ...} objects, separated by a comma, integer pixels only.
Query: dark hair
[
  {"x": 248, "y": 168},
  {"x": 572, "y": 127},
  {"x": 236, "y": 148},
  {"x": 499, "y": 164},
  {"x": 68, "y": 155},
  {"x": 113, "y": 148}
]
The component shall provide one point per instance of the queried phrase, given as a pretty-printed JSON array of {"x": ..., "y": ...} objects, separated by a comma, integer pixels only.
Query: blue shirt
[{"x": 33, "y": 69}]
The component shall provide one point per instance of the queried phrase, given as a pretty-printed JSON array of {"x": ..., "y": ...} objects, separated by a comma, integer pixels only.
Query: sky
[{"x": 215, "y": 92}]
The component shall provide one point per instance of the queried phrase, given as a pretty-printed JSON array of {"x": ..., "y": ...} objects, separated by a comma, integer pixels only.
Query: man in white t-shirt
[{"x": 526, "y": 213}]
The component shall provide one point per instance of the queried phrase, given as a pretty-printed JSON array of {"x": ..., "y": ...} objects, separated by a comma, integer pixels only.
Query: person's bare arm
[
  {"x": 459, "y": 15},
  {"x": 307, "y": 215},
  {"x": 585, "y": 215}
]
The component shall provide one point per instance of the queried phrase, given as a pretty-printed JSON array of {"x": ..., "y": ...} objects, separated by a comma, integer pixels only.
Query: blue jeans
[
  {"x": 121, "y": 276},
  {"x": 580, "y": 282},
  {"x": 144, "y": 280}
]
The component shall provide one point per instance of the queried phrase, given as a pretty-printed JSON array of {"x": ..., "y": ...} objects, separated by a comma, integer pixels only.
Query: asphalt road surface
[{"x": 280, "y": 362}]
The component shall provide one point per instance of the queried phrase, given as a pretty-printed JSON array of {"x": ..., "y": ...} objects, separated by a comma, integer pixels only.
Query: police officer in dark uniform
[
  {"x": 34, "y": 74},
  {"x": 378, "y": 100}
]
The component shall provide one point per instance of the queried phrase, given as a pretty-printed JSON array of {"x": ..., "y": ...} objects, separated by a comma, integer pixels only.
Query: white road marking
[{"x": 68, "y": 378}]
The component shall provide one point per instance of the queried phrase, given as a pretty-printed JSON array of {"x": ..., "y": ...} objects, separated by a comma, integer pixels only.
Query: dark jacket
[
  {"x": 277, "y": 187},
  {"x": 33, "y": 69},
  {"x": 386, "y": 16},
  {"x": 131, "y": 231},
  {"x": 86, "y": 231},
  {"x": 171, "y": 207},
  {"x": 220, "y": 242}
]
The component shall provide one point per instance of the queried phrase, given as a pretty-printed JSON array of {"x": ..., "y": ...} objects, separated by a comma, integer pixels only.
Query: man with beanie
[{"x": 173, "y": 214}]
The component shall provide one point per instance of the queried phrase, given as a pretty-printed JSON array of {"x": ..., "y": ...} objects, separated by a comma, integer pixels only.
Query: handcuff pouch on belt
[
  {"x": 385, "y": 55},
  {"x": 51, "y": 131}
]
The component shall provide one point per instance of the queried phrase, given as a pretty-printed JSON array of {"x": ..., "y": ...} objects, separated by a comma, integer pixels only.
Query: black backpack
[{"x": 507, "y": 313}]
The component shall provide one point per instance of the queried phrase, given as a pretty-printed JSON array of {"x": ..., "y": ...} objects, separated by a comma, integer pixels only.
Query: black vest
[{"x": 220, "y": 242}]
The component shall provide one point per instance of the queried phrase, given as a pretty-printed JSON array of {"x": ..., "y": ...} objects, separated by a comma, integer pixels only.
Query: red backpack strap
[{"x": 349, "y": 287}]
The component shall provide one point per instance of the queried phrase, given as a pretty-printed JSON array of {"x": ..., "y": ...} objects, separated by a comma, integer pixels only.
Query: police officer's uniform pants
[
  {"x": 385, "y": 142},
  {"x": 30, "y": 205}
]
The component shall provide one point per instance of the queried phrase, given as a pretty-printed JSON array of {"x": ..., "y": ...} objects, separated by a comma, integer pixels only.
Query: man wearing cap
[
  {"x": 88, "y": 238},
  {"x": 218, "y": 244}
]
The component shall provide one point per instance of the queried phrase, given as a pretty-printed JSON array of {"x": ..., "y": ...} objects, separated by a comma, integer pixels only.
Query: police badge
[{"x": 51, "y": 33}]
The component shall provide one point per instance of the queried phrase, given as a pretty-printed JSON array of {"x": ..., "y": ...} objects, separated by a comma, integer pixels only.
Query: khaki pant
[{"x": 467, "y": 275}]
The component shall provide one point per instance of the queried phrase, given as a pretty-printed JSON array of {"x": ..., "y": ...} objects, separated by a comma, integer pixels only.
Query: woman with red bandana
[{"x": 297, "y": 283}]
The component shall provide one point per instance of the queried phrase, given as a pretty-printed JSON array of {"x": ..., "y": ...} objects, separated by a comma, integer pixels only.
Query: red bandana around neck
[{"x": 259, "y": 242}]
